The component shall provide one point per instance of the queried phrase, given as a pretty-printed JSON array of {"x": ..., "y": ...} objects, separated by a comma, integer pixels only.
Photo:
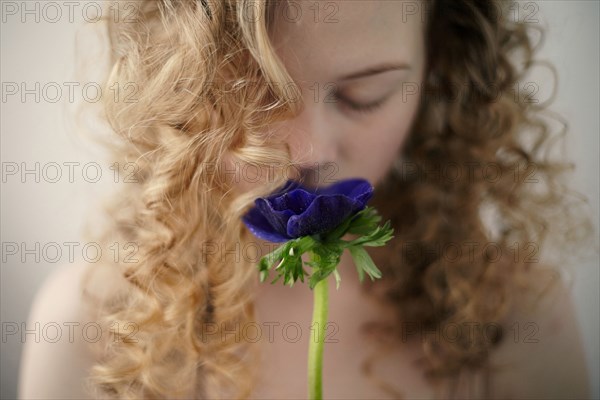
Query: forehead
[{"x": 320, "y": 37}]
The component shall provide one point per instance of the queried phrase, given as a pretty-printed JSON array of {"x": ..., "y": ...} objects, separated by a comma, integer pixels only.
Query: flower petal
[
  {"x": 358, "y": 189},
  {"x": 287, "y": 187},
  {"x": 260, "y": 227},
  {"x": 324, "y": 214},
  {"x": 278, "y": 219},
  {"x": 296, "y": 200},
  {"x": 294, "y": 210}
]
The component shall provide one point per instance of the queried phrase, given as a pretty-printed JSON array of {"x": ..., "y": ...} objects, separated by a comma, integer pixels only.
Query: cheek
[{"x": 373, "y": 151}]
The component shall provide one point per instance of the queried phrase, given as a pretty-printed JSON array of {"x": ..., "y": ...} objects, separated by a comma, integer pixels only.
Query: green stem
[{"x": 316, "y": 342}]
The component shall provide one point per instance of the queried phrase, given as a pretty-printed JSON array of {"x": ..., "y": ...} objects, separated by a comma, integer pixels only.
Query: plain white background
[{"x": 53, "y": 213}]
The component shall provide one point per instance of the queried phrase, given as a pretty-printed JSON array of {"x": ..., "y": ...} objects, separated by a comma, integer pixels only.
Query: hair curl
[{"x": 208, "y": 85}]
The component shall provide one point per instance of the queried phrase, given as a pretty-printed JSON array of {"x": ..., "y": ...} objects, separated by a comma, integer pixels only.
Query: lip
[
  {"x": 309, "y": 178},
  {"x": 318, "y": 174}
]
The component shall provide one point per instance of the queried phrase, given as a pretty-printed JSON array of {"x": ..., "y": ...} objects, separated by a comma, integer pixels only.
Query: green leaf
[
  {"x": 287, "y": 259},
  {"x": 326, "y": 251},
  {"x": 365, "y": 222},
  {"x": 263, "y": 274},
  {"x": 325, "y": 258},
  {"x": 267, "y": 261},
  {"x": 376, "y": 238},
  {"x": 359, "y": 269},
  {"x": 338, "y": 279},
  {"x": 363, "y": 261}
]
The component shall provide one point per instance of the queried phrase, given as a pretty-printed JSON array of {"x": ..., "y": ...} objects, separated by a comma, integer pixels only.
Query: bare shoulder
[
  {"x": 541, "y": 355},
  {"x": 57, "y": 358}
]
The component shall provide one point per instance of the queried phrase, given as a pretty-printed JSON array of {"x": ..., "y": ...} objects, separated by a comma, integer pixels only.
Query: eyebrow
[{"x": 379, "y": 69}]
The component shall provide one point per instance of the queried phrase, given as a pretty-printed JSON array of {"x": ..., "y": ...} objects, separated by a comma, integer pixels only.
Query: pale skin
[
  {"x": 360, "y": 144},
  {"x": 355, "y": 54}
]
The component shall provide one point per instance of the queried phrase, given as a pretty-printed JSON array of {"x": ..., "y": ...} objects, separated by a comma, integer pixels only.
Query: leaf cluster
[{"x": 326, "y": 250}]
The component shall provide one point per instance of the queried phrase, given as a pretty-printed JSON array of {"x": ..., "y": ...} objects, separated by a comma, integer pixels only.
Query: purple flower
[{"x": 294, "y": 211}]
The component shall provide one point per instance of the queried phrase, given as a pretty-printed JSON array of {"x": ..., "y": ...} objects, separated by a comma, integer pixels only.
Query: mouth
[{"x": 311, "y": 178}]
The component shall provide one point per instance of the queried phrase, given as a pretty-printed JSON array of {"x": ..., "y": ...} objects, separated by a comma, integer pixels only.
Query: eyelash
[{"x": 364, "y": 109}]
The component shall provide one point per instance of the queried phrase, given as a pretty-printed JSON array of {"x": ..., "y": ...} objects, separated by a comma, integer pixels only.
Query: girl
[{"x": 426, "y": 100}]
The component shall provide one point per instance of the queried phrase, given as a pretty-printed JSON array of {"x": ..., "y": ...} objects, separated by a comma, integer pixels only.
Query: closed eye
[{"x": 357, "y": 107}]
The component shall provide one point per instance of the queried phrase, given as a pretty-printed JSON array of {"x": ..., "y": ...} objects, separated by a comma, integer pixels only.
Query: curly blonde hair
[{"x": 208, "y": 85}]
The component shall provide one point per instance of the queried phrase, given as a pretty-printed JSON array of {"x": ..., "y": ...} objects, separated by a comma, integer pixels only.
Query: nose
[{"x": 313, "y": 140}]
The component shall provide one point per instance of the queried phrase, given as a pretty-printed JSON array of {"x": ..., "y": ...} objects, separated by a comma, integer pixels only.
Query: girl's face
[{"x": 359, "y": 65}]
